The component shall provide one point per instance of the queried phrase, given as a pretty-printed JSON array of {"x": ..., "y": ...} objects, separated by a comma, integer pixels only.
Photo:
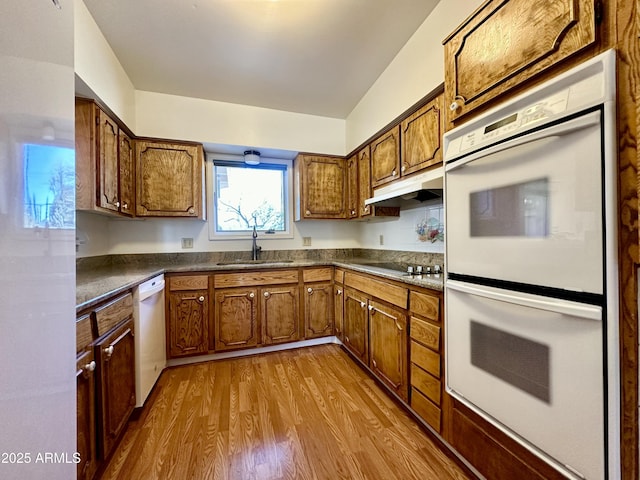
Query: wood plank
[
  {"x": 255, "y": 278},
  {"x": 299, "y": 414},
  {"x": 84, "y": 334},
  {"x": 388, "y": 292},
  {"x": 427, "y": 384},
  {"x": 317, "y": 274},
  {"x": 188, "y": 282},
  {"x": 425, "y": 333},
  {"x": 114, "y": 312},
  {"x": 425, "y": 305},
  {"x": 425, "y": 359},
  {"x": 426, "y": 409}
]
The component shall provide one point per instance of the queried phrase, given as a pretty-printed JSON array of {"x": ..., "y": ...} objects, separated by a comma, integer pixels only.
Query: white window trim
[{"x": 210, "y": 184}]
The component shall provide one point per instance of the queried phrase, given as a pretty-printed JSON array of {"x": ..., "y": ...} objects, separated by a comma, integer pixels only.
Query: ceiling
[{"x": 309, "y": 56}]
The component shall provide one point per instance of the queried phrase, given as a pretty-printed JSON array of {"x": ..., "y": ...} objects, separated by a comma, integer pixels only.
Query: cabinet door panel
[
  {"x": 480, "y": 64},
  {"x": 352, "y": 197},
  {"x": 108, "y": 195},
  {"x": 85, "y": 415},
  {"x": 338, "y": 304},
  {"x": 324, "y": 187},
  {"x": 236, "y": 318},
  {"x": 117, "y": 393},
  {"x": 127, "y": 178},
  {"x": 385, "y": 158},
  {"x": 188, "y": 322},
  {"x": 364, "y": 181},
  {"x": 169, "y": 180},
  {"x": 356, "y": 324},
  {"x": 318, "y": 310},
  {"x": 280, "y": 322},
  {"x": 388, "y": 346},
  {"x": 421, "y": 136}
]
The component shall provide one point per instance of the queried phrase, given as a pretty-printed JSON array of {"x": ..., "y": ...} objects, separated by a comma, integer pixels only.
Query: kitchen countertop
[{"x": 96, "y": 285}]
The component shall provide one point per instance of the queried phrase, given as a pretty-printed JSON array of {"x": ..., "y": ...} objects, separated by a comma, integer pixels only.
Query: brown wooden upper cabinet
[
  {"x": 421, "y": 137},
  {"x": 104, "y": 162},
  {"x": 321, "y": 187},
  {"x": 352, "y": 190},
  {"x": 169, "y": 179},
  {"x": 365, "y": 190},
  {"x": 506, "y": 42},
  {"x": 385, "y": 157}
]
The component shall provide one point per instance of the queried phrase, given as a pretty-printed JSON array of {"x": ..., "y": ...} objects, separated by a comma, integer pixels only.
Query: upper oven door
[{"x": 529, "y": 210}]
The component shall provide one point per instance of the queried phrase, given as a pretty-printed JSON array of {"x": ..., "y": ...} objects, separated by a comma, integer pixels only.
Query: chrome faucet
[{"x": 255, "y": 249}]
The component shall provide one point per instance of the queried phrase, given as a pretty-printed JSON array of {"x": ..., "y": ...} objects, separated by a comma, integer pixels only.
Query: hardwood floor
[{"x": 309, "y": 413}]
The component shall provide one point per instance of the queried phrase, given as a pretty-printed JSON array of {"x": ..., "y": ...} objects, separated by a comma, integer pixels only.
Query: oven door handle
[
  {"x": 565, "y": 307},
  {"x": 558, "y": 130}
]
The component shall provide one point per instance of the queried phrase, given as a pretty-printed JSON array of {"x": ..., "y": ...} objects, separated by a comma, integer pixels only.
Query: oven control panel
[{"x": 515, "y": 122}]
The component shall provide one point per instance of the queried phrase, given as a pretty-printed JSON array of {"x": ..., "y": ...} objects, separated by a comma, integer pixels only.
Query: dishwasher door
[{"x": 150, "y": 343}]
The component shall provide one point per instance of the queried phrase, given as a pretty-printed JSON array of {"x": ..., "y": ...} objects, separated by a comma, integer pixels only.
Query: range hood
[{"x": 421, "y": 187}]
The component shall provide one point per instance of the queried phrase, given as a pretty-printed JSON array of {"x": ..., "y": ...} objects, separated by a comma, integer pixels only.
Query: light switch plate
[
  {"x": 187, "y": 243},
  {"x": 306, "y": 241}
]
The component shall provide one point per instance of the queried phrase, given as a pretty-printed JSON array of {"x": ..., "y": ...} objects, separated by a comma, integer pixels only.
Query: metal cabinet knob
[
  {"x": 394, "y": 173},
  {"x": 91, "y": 366},
  {"x": 370, "y": 307},
  {"x": 404, "y": 167},
  {"x": 339, "y": 292},
  {"x": 201, "y": 298},
  {"x": 310, "y": 290},
  {"x": 109, "y": 350},
  {"x": 266, "y": 294},
  {"x": 363, "y": 304},
  {"x": 191, "y": 210},
  {"x": 117, "y": 204},
  {"x": 308, "y": 212},
  {"x": 125, "y": 205},
  {"x": 251, "y": 295}
]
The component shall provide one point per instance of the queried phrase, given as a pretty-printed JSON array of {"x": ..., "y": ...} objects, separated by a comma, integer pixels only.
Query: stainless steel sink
[{"x": 252, "y": 262}]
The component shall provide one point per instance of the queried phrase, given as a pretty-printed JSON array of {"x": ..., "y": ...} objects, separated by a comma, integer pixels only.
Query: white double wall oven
[{"x": 531, "y": 269}]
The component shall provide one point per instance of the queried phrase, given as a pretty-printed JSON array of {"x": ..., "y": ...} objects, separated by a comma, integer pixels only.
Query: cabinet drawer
[
  {"x": 113, "y": 313},
  {"x": 317, "y": 274},
  {"x": 338, "y": 276},
  {"x": 189, "y": 282},
  {"x": 425, "y": 333},
  {"x": 387, "y": 292},
  {"x": 426, "y": 409},
  {"x": 427, "y": 306},
  {"x": 427, "y": 384},
  {"x": 252, "y": 279},
  {"x": 84, "y": 335},
  {"x": 425, "y": 359}
]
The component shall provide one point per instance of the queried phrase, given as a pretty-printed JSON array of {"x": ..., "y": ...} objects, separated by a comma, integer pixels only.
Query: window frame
[{"x": 211, "y": 198}]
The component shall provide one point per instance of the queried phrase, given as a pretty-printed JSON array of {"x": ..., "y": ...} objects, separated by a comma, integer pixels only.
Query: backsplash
[{"x": 164, "y": 259}]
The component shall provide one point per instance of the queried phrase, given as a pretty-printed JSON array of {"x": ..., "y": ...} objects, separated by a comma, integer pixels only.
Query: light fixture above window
[{"x": 252, "y": 157}]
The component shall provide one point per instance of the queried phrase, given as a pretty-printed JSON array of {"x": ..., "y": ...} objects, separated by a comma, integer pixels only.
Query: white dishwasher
[{"x": 149, "y": 329}]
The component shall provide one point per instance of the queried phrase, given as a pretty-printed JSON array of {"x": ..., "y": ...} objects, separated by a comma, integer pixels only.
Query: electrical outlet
[
  {"x": 187, "y": 243},
  {"x": 306, "y": 241},
  {"x": 381, "y": 239}
]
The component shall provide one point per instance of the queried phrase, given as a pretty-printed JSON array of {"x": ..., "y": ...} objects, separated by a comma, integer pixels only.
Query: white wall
[
  {"x": 155, "y": 235},
  {"x": 171, "y": 116},
  {"x": 417, "y": 70},
  {"x": 96, "y": 64}
]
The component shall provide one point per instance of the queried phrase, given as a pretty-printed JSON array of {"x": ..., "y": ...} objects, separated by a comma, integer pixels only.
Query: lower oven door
[{"x": 533, "y": 366}]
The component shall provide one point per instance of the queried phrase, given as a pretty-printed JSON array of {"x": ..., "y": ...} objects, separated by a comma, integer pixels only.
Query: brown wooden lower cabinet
[
  {"x": 388, "y": 346},
  {"x": 356, "y": 324},
  {"x": 116, "y": 387},
  {"x": 236, "y": 318},
  {"x": 318, "y": 309},
  {"x": 279, "y": 308},
  {"x": 86, "y": 415}
]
